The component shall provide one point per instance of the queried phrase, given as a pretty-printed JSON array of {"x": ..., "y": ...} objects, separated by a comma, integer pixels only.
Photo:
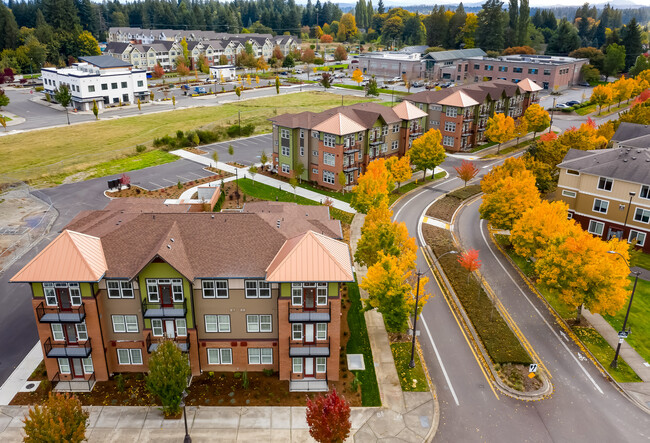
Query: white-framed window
[
  {"x": 181, "y": 327},
  {"x": 605, "y": 184},
  {"x": 296, "y": 365},
  {"x": 394, "y": 145},
  {"x": 447, "y": 141},
  {"x": 286, "y": 151},
  {"x": 82, "y": 331},
  {"x": 125, "y": 323},
  {"x": 88, "y": 365},
  {"x": 321, "y": 365},
  {"x": 645, "y": 192},
  {"x": 50, "y": 294},
  {"x": 384, "y": 130},
  {"x": 321, "y": 294},
  {"x": 451, "y": 111},
  {"x": 329, "y": 140},
  {"x": 600, "y": 206},
  {"x": 119, "y": 289},
  {"x": 284, "y": 133},
  {"x": 314, "y": 154},
  {"x": 153, "y": 292},
  {"x": 285, "y": 168},
  {"x": 129, "y": 356},
  {"x": 569, "y": 215},
  {"x": 215, "y": 288},
  {"x": 596, "y": 227},
  {"x": 296, "y": 331},
  {"x": 302, "y": 151},
  {"x": 91, "y": 88},
  {"x": 217, "y": 323},
  {"x": 64, "y": 366},
  {"x": 360, "y": 136},
  {"x": 642, "y": 215},
  {"x": 257, "y": 289},
  {"x": 296, "y": 294},
  {"x": 57, "y": 332},
  {"x": 328, "y": 177},
  {"x": 395, "y": 129},
  {"x": 260, "y": 356},
  {"x": 572, "y": 172},
  {"x": 321, "y": 331},
  {"x": 384, "y": 147},
  {"x": 258, "y": 323},
  {"x": 329, "y": 159},
  {"x": 638, "y": 236},
  {"x": 50, "y": 289},
  {"x": 314, "y": 171},
  {"x": 315, "y": 134},
  {"x": 450, "y": 126},
  {"x": 436, "y": 107},
  {"x": 570, "y": 194},
  {"x": 302, "y": 133},
  {"x": 219, "y": 356},
  {"x": 157, "y": 327}
]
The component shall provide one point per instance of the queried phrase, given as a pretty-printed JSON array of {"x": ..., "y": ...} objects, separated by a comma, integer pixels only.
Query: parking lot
[{"x": 246, "y": 151}]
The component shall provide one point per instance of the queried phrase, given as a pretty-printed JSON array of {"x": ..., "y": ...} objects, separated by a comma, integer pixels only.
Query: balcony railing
[
  {"x": 377, "y": 141},
  {"x": 183, "y": 343},
  {"x": 84, "y": 384},
  {"x": 315, "y": 348},
  {"x": 317, "y": 313},
  {"x": 157, "y": 310},
  {"x": 468, "y": 116},
  {"x": 64, "y": 349},
  {"x": 54, "y": 314}
]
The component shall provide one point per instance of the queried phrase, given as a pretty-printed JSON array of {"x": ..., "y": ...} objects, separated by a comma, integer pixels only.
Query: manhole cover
[{"x": 29, "y": 385}]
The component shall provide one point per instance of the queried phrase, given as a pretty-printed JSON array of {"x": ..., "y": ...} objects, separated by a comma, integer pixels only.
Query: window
[
  {"x": 384, "y": 130},
  {"x": 314, "y": 171},
  {"x": 569, "y": 194},
  {"x": 285, "y": 168},
  {"x": 217, "y": 323},
  {"x": 517, "y": 70},
  {"x": 129, "y": 356},
  {"x": 57, "y": 332},
  {"x": 328, "y": 177},
  {"x": 329, "y": 140},
  {"x": 296, "y": 365},
  {"x": 321, "y": 365},
  {"x": 119, "y": 289},
  {"x": 477, "y": 66},
  {"x": 260, "y": 356},
  {"x": 600, "y": 205},
  {"x": 596, "y": 227},
  {"x": 140, "y": 83},
  {"x": 321, "y": 294},
  {"x": 533, "y": 70},
  {"x": 215, "y": 289},
  {"x": 394, "y": 145},
  {"x": 314, "y": 154},
  {"x": 434, "y": 122},
  {"x": 321, "y": 331},
  {"x": 329, "y": 159},
  {"x": 447, "y": 141},
  {"x": 257, "y": 289},
  {"x": 396, "y": 127},
  {"x": 572, "y": 172},
  {"x": 82, "y": 331},
  {"x": 153, "y": 292},
  {"x": 302, "y": 151},
  {"x": 302, "y": 133},
  {"x": 503, "y": 69},
  {"x": 296, "y": 294},
  {"x": 451, "y": 111},
  {"x": 450, "y": 126},
  {"x": 222, "y": 356},
  {"x": 64, "y": 365},
  {"x": 181, "y": 327},
  {"x": 286, "y": 151},
  {"x": 88, "y": 365},
  {"x": 645, "y": 192},
  {"x": 642, "y": 215},
  {"x": 91, "y": 88},
  {"x": 156, "y": 327},
  {"x": 113, "y": 85},
  {"x": 124, "y": 85},
  {"x": 489, "y": 67},
  {"x": 284, "y": 133},
  {"x": 638, "y": 236},
  {"x": 547, "y": 72},
  {"x": 605, "y": 184},
  {"x": 315, "y": 134},
  {"x": 125, "y": 323},
  {"x": 104, "y": 86},
  {"x": 258, "y": 323},
  {"x": 50, "y": 289},
  {"x": 296, "y": 331}
]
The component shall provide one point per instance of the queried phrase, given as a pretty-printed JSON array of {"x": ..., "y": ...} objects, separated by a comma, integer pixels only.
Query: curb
[{"x": 419, "y": 188}]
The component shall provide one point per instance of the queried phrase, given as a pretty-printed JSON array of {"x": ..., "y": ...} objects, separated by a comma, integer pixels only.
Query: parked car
[
  {"x": 200, "y": 90},
  {"x": 585, "y": 84},
  {"x": 396, "y": 79},
  {"x": 417, "y": 84},
  {"x": 573, "y": 103},
  {"x": 364, "y": 83},
  {"x": 563, "y": 106},
  {"x": 299, "y": 71}
]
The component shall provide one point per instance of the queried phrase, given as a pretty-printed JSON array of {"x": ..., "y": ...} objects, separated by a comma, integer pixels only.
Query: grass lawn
[
  {"x": 139, "y": 161},
  {"x": 640, "y": 259},
  {"x": 414, "y": 379},
  {"x": 359, "y": 343},
  {"x": 380, "y": 90},
  {"x": 266, "y": 192},
  {"x": 605, "y": 111},
  {"x": 605, "y": 354},
  {"x": 333, "y": 194},
  {"x": 639, "y": 320},
  {"x": 483, "y": 146},
  {"x": 74, "y": 148},
  {"x": 587, "y": 109}
]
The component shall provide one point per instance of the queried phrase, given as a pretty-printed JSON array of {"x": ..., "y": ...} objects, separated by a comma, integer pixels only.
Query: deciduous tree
[
  {"x": 372, "y": 186},
  {"x": 326, "y": 80},
  {"x": 59, "y": 419},
  {"x": 158, "y": 71},
  {"x": 63, "y": 96},
  {"x": 400, "y": 169},
  {"x": 466, "y": 171},
  {"x": 357, "y": 76},
  {"x": 622, "y": 89},
  {"x": 169, "y": 371},
  {"x": 427, "y": 151},
  {"x": 537, "y": 118},
  {"x": 96, "y": 109},
  {"x": 469, "y": 261},
  {"x": 500, "y": 129},
  {"x": 340, "y": 53},
  {"x": 252, "y": 170},
  {"x": 614, "y": 59},
  {"x": 601, "y": 95},
  {"x": 328, "y": 418}
]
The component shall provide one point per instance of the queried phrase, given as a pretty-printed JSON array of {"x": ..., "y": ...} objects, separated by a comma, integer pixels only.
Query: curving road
[{"x": 584, "y": 407}]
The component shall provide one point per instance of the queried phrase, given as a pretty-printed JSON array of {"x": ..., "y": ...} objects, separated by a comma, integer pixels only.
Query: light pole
[
  {"x": 627, "y": 214},
  {"x": 187, "y": 438},
  {"x": 415, "y": 313},
  {"x": 622, "y": 335},
  {"x": 550, "y": 126}
]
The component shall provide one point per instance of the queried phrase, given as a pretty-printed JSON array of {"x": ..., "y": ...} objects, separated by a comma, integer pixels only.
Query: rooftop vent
[
  {"x": 172, "y": 240},
  {"x": 278, "y": 224},
  {"x": 169, "y": 247}
]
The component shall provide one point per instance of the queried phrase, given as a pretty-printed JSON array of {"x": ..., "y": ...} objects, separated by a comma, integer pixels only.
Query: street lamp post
[
  {"x": 187, "y": 438},
  {"x": 627, "y": 214},
  {"x": 550, "y": 126},
  {"x": 622, "y": 335},
  {"x": 415, "y": 313}
]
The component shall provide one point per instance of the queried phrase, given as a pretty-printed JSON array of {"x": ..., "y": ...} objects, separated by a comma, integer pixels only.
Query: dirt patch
[
  {"x": 74, "y": 178},
  {"x": 517, "y": 377},
  {"x": 236, "y": 165},
  {"x": 173, "y": 191},
  {"x": 196, "y": 151}
]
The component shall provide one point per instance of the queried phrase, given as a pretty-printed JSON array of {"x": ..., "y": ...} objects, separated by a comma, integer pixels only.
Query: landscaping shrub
[
  {"x": 140, "y": 148},
  {"x": 244, "y": 131},
  {"x": 206, "y": 137}
]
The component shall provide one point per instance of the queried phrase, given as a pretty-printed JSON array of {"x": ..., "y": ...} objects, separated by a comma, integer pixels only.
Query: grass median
[{"x": 411, "y": 380}]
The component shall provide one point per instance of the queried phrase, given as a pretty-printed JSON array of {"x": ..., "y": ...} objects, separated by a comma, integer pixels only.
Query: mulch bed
[
  {"x": 195, "y": 151},
  {"x": 516, "y": 376},
  {"x": 172, "y": 191},
  {"x": 445, "y": 207}
]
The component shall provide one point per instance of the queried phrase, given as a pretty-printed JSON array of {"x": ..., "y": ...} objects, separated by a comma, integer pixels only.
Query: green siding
[
  {"x": 86, "y": 289},
  {"x": 164, "y": 270},
  {"x": 285, "y": 289},
  {"x": 283, "y": 158},
  {"x": 332, "y": 289},
  {"x": 38, "y": 290}
]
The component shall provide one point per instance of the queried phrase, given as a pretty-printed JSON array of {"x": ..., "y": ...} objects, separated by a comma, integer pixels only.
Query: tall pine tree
[
  {"x": 524, "y": 21},
  {"x": 631, "y": 38},
  {"x": 489, "y": 34},
  {"x": 456, "y": 24}
]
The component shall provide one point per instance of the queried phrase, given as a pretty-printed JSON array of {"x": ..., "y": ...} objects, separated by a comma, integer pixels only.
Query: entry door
[
  {"x": 63, "y": 296},
  {"x": 170, "y": 329},
  {"x": 166, "y": 295},
  {"x": 70, "y": 333},
  {"x": 309, "y": 367},
  {"x": 309, "y": 295},
  {"x": 77, "y": 368},
  {"x": 309, "y": 333},
  {"x": 618, "y": 233}
]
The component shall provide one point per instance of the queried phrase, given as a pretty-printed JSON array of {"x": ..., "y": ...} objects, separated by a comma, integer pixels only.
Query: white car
[
  {"x": 562, "y": 106},
  {"x": 299, "y": 71},
  {"x": 396, "y": 79}
]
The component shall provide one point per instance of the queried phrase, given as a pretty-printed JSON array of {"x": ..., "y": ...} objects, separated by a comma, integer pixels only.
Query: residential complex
[
  {"x": 608, "y": 192},
  {"x": 461, "y": 112},
  {"x": 631, "y": 135},
  {"x": 247, "y": 291},
  {"x": 101, "y": 79},
  {"x": 342, "y": 140}
]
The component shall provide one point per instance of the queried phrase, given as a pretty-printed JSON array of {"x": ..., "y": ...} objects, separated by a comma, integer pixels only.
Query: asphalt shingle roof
[
  {"x": 104, "y": 61},
  {"x": 627, "y": 164}
]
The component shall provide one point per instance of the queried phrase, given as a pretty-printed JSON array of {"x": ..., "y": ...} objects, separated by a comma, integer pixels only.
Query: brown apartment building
[
  {"x": 343, "y": 140},
  {"x": 608, "y": 192},
  {"x": 246, "y": 291},
  {"x": 461, "y": 112}
]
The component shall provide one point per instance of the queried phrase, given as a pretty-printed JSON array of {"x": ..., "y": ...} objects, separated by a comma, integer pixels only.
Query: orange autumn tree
[
  {"x": 521, "y": 128},
  {"x": 59, "y": 419},
  {"x": 581, "y": 272},
  {"x": 537, "y": 118},
  {"x": 427, "y": 151},
  {"x": 357, "y": 76},
  {"x": 400, "y": 169},
  {"x": 466, "y": 171},
  {"x": 469, "y": 260},
  {"x": 622, "y": 89},
  {"x": 372, "y": 186},
  {"x": 500, "y": 129}
]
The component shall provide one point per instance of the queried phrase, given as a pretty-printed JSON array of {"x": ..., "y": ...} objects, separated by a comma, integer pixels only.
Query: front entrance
[
  {"x": 309, "y": 367},
  {"x": 63, "y": 296},
  {"x": 77, "y": 368},
  {"x": 70, "y": 333},
  {"x": 170, "y": 329},
  {"x": 309, "y": 299},
  {"x": 166, "y": 295},
  {"x": 309, "y": 333}
]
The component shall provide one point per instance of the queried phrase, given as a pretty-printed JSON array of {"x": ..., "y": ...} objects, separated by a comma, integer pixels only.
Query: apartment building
[
  {"x": 247, "y": 291},
  {"x": 450, "y": 65},
  {"x": 102, "y": 79},
  {"x": 631, "y": 135},
  {"x": 461, "y": 112},
  {"x": 342, "y": 140},
  {"x": 608, "y": 192}
]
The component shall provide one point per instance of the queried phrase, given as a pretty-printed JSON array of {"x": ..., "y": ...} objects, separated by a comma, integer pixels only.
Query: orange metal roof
[
  {"x": 408, "y": 111},
  {"x": 458, "y": 99},
  {"x": 527, "y": 85},
  {"x": 71, "y": 257},
  {"x": 311, "y": 257},
  {"x": 339, "y": 124}
]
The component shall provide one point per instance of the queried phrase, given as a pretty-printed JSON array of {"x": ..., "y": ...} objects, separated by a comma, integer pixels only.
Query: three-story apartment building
[
  {"x": 461, "y": 112},
  {"x": 608, "y": 192},
  {"x": 343, "y": 140},
  {"x": 243, "y": 291}
]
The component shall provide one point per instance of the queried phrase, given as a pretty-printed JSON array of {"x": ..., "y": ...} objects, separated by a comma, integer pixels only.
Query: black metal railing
[
  {"x": 314, "y": 348},
  {"x": 54, "y": 314},
  {"x": 158, "y": 310},
  {"x": 317, "y": 313},
  {"x": 74, "y": 384},
  {"x": 65, "y": 349},
  {"x": 151, "y": 340}
]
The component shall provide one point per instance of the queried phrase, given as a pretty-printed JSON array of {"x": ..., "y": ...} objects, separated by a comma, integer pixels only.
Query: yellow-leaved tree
[
  {"x": 601, "y": 95},
  {"x": 400, "y": 168},
  {"x": 622, "y": 89},
  {"x": 427, "y": 151},
  {"x": 357, "y": 76},
  {"x": 372, "y": 186},
  {"x": 500, "y": 129},
  {"x": 537, "y": 118}
]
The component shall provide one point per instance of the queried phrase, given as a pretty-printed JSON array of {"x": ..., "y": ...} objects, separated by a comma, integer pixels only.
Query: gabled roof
[
  {"x": 628, "y": 131},
  {"x": 339, "y": 124},
  {"x": 627, "y": 164},
  {"x": 528, "y": 85},
  {"x": 71, "y": 256},
  {"x": 494, "y": 89},
  {"x": 459, "y": 99},
  {"x": 311, "y": 257},
  {"x": 104, "y": 61},
  {"x": 408, "y": 111}
]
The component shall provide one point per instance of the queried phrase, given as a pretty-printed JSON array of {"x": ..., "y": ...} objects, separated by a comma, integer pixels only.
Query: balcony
[
  {"x": 415, "y": 132},
  {"x": 64, "y": 349},
  {"x": 85, "y": 384},
  {"x": 54, "y": 314},
  {"x": 316, "y": 314},
  {"x": 377, "y": 141},
  {"x": 183, "y": 343},
  {"x": 316, "y": 348},
  {"x": 158, "y": 310},
  {"x": 468, "y": 117}
]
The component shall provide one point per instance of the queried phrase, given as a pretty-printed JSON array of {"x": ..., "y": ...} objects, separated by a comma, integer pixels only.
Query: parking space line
[
  {"x": 156, "y": 186},
  {"x": 167, "y": 180},
  {"x": 184, "y": 178}
]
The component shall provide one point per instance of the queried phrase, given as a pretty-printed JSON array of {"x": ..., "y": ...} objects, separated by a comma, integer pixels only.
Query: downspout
[
  {"x": 101, "y": 331},
  {"x": 198, "y": 348}
]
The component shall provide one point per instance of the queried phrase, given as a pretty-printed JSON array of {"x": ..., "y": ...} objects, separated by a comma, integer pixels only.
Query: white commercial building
[
  {"x": 228, "y": 71},
  {"x": 105, "y": 79}
]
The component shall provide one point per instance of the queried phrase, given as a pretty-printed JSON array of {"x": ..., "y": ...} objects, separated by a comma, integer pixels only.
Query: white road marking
[
  {"x": 491, "y": 164},
  {"x": 167, "y": 180},
  {"x": 157, "y": 186},
  {"x": 442, "y": 366},
  {"x": 536, "y": 310}
]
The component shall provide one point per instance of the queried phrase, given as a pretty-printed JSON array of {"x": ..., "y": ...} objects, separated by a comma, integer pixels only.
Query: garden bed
[
  {"x": 196, "y": 151},
  {"x": 445, "y": 207},
  {"x": 517, "y": 377},
  {"x": 173, "y": 191}
]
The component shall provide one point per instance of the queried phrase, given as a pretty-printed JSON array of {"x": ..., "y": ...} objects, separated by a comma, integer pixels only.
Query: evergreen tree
[
  {"x": 369, "y": 13},
  {"x": 9, "y": 36},
  {"x": 565, "y": 40},
  {"x": 524, "y": 21},
  {"x": 489, "y": 35},
  {"x": 61, "y": 14},
  {"x": 380, "y": 7},
  {"x": 436, "y": 24},
  {"x": 632, "y": 41},
  {"x": 513, "y": 20},
  {"x": 456, "y": 24},
  {"x": 414, "y": 31}
]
